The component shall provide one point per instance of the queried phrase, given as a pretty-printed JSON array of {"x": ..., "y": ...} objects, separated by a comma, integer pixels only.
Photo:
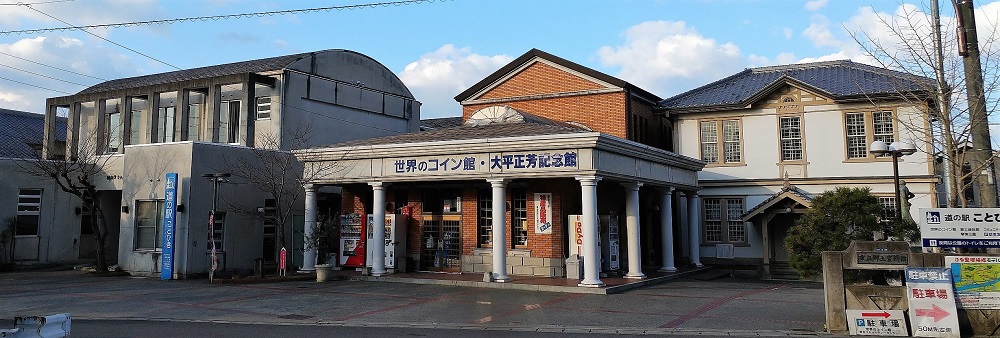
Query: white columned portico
[
  {"x": 378, "y": 228},
  {"x": 632, "y": 230},
  {"x": 591, "y": 256},
  {"x": 499, "y": 186},
  {"x": 309, "y": 255},
  {"x": 694, "y": 224},
  {"x": 667, "y": 231}
]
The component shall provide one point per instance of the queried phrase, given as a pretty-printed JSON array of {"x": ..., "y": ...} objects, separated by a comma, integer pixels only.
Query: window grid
[
  {"x": 888, "y": 208},
  {"x": 857, "y": 146},
  {"x": 722, "y": 220},
  {"x": 709, "y": 142},
  {"x": 264, "y": 107},
  {"x": 791, "y": 138},
  {"x": 882, "y": 125},
  {"x": 737, "y": 229},
  {"x": 519, "y": 216},
  {"x": 485, "y": 218},
  {"x": 731, "y": 133}
]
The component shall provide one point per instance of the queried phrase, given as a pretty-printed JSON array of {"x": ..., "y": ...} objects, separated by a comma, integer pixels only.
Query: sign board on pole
[
  {"x": 543, "y": 213},
  {"x": 977, "y": 281},
  {"x": 960, "y": 227},
  {"x": 169, "y": 218},
  {"x": 932, "y": 303},
  {"x": 877, "y": 323},
  {"x": 282, "y": 261}
]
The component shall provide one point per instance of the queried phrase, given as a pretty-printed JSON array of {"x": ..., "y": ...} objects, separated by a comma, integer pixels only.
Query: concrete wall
[{"x": 58, "y": 239}]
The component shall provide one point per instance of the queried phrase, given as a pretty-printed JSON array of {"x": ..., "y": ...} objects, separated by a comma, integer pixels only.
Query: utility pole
[
  {"x": 982, "y": 159},
  {"x": 944, "y": 110}
]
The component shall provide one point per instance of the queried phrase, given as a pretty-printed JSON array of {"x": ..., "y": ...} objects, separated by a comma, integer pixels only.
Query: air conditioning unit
[{"x": 724, "y": 251}]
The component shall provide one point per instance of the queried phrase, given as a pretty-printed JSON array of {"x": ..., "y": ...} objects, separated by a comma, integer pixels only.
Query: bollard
[{"x": 57, "y": 325}]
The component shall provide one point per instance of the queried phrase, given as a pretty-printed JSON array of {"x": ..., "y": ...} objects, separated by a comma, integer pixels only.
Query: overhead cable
[
  {"x": 53, "y": 67},
  {"x": 31, "y": 85},
  {"x": 99, "y": 37},
  {"x": 223, "y": 17},
  {"x": 42, "y": 75}
]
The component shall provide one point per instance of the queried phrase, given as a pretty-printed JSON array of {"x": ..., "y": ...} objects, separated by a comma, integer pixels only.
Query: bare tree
[
  {"x": 277, "y": 174},
  {"x": 77, "y": 175},
  {"x": 910, "y": 41}
]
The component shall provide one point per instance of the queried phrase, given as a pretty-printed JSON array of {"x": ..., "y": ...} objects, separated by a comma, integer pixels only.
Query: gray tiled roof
[
  {"x": 839, "y": 80},
  {"x": 251, "y": 66},
  {"x": 466, "y": 133},
  {"x": 21, "y": 131},
  {"x": 439, "y": 123},
  {"x": 791, "y": 189}
]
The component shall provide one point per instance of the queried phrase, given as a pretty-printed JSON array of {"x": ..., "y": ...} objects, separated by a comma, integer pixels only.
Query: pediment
[
  {"x": 790, "y": 98},
  {"x": 539, "y": 77}
]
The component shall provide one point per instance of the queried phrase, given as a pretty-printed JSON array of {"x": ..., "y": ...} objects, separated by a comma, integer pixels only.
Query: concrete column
[
  {"x": 249, "y": 111},
  {"x": 591, "y": 256},
  {"x": 632, "y": 230},
  {"x": 49, "y": 132},
  {"x": 378, "y": 228},
  {"x": 667, "y": 231},
  {"x": 694, "y": 223},
  {"x": 73, "y": 131},
  {"x": 499, "y": 230},
  {"x": 182, "y": 112},
  {"x": 309, "y": 255}
]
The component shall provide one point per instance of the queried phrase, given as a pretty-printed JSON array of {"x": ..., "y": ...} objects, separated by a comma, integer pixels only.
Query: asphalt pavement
[{"x": 719, "y": 306}]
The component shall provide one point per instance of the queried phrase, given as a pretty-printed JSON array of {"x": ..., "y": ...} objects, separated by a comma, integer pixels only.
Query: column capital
[
  {"x": 378, "y": 185},
  {"x": 668, "y": 190},
  {"x": 309, "y": 187},
  {"x": 690, "y": 193},
  {"x": 498, "y": 182},
  {"x": 588, "y": 180},
  {"x": 631, "y": 186}
]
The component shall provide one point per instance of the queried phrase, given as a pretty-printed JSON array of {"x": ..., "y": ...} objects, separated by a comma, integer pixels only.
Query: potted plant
[{"x": 322, "y": 239}]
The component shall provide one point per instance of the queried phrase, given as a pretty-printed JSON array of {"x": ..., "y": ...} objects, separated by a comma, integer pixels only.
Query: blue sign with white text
[{"x": 169, "y": 217}]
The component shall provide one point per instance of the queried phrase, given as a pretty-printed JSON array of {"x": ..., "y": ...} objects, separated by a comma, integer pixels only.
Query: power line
[
  {"x": 99, "y": 37},
  {"x": 33, "y": 3},
  {"x": 53, "y": 67},
  {"x": 222, "y": 17},
  {"x": 42, "y": 75},
  {"x": 39, "y": 87}
]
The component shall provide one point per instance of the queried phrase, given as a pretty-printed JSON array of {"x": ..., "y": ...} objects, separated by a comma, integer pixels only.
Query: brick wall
[
  {"x": 600, "y": 112},
  {"x": 540, "y": 78}
]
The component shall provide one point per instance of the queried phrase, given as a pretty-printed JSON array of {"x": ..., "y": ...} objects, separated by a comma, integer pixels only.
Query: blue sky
[{"x": 440, "y": 48}]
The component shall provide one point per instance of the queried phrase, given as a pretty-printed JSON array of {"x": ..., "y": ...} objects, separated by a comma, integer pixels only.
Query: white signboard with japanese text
[
  {"x": 976, "y": 280},
  {"x": 575, "y": 235},
  {"x": 932, "y": 303},
  {"x": 960, "y": 227},
  {"x": 506, "y": 162},
  {"x": 543, "y": 213},
  {"x": 877, "y": 323}
]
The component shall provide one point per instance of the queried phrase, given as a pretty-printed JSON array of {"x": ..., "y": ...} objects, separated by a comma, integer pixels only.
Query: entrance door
[
  {"x": 441, "y": 245},
  {"x": 779, "y": 230}
]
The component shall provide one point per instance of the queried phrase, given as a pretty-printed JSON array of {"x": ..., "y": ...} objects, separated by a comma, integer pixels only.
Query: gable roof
[
  {"x": 242, "y": 67},
  {"x": 536, "y": 53},
  {"x": 22, "y": 132},
  {"x": 788, "y": 192},
  {"x": 842, "y": 81}
]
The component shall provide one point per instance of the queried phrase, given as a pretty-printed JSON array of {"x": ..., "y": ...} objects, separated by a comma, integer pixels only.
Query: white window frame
[
  {"x": 29, "y": 204},
  {"x": 157, "y": 225},
  {"x": 263, "y": 104}
]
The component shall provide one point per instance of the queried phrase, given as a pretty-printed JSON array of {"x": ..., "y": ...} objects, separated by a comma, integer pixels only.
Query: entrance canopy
[{"x": 500, "y": 143}]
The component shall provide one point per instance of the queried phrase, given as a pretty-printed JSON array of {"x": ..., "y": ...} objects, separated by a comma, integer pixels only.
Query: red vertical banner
[{"x": 282, "y": 261}]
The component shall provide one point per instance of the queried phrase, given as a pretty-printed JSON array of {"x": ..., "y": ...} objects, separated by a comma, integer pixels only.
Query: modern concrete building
[{"x": 239, "y": 119}]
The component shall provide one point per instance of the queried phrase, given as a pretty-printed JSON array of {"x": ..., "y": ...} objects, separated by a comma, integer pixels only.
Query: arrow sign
[
  {"x": 934, "y": 312},
  {"x": 882, "y": 314}
]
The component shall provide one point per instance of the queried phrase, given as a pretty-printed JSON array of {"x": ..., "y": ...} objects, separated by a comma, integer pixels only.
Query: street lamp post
[
  {"x": 896, "y": 149},
  {"x": 216, "y": 179}
]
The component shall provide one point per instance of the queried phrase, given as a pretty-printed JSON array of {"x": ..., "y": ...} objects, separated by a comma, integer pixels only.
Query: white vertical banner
[
  {"x": 543, "y": 213},
  {"x": 932, "y": 303}
]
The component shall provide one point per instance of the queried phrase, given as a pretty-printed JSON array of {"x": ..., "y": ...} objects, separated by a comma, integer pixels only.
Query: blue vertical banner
[{"x": 169, "y": 218}]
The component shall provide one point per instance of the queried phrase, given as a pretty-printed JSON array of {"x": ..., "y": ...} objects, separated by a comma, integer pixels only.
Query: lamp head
[
  {"x": 904, "y": 148},
  {"x": 878, "y": 148}
]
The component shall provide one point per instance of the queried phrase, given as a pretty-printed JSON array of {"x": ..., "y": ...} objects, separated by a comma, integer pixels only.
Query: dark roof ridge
[{"x": 800, "y": 66}]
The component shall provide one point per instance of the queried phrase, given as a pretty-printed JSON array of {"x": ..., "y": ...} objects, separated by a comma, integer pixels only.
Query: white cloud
[
  {"x": 815, "y": 5},
  {"x": 667, "y": 57},
  {"x": 22, "y": 92},
  {"x": 438, "y": 76},
  {"x": 80, "y": 14},
  {"x": 788, "y": 32}
]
